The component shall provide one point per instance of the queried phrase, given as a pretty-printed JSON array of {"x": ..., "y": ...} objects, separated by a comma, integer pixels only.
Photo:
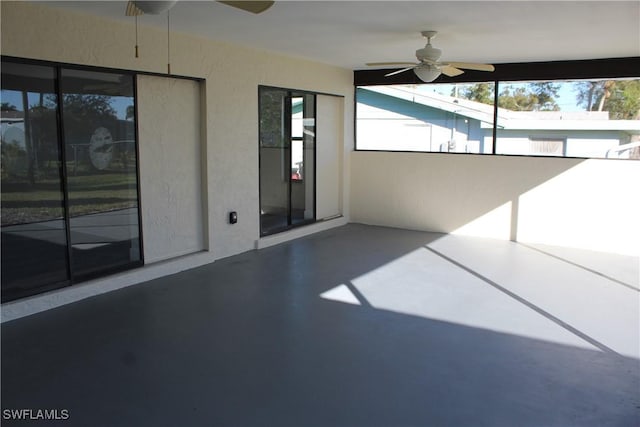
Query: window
[
  {"x": 297, "y": 138},
  {"x": 34, "y": 229},
  {"x": 583, "y": 117},
  {"x": 69, "y": 176},
  {"x": 99, "y": 132},
  {"x": 546, "y": 146},
  {"x": 287, "y": 159},
  {"x": 573, "y": 118},
  {"x": 436, "y": 118}
]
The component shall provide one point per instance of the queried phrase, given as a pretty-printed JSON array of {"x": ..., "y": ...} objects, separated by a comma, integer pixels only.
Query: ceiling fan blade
[
  {"x": 249, "y": 6},
  {"x": 471, "y": 66},
  {"x": 400, "y": 71},
  {"x": 450, "y": 71},
  {"x": 375, "y": 64},
  {"x": 133, "y": 10}
]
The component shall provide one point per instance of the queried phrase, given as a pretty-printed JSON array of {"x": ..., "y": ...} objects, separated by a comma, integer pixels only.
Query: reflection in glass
[
  {"x": 274, "y": 160},
  {"x": 287, "y": 147},
  {"x": 34, "y": 245},
  {"x": 69, "y": 207},
  {"x": 100, "y": 145}
]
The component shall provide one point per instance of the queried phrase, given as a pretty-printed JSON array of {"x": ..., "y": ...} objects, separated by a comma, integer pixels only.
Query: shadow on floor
[{"x": 247, "y": 341}]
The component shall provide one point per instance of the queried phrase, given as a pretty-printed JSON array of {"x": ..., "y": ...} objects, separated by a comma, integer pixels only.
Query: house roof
[{"x": 508, "y": 119}]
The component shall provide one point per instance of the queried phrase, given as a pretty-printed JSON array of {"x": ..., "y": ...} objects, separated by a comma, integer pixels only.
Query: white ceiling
[{"x": 351, "y": 33}]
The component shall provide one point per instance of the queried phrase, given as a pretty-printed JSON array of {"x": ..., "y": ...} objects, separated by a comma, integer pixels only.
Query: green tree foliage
[
  {"x": 624, "y": 101},
  {"x": 538, "y": 96},
  {"x": 545, "y": 94},
  {"x": 621, "y": 98},
  {"x": 480, "y": 92}
]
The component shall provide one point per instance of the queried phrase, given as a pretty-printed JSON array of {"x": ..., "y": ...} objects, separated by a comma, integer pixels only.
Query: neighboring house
[{"x": 401, "y": 119}]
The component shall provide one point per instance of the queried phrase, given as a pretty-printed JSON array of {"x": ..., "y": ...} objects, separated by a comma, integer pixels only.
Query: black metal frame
[
  {"x": 71, "y": 65},
  {"x": 551, "y": 70},
  {"x": 65, "y": 175},
  {"x": 287, "y": 111},
  {"x": 72, "y": 278}
]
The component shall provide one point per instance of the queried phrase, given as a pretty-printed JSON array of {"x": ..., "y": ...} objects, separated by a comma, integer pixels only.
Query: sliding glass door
[
  {"x": 34, "y": 234},
  {"x": 99, "y": 138},
  {"x": 287, "y": 159},
  {"x": 275, "y": 160},
  {"x": 69, "y": 176}
]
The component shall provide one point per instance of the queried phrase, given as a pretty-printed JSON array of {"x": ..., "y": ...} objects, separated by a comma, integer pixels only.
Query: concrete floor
[{"x": 356, "y": 326}]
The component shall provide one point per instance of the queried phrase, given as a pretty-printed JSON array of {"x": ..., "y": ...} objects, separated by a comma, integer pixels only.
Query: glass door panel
[
  {"x": 302, "y": 158},
  {"x": 297, "y": 159},
  {"x": 275, "y": 160},
  {"x": 287, "y": 159},
  {"x": 99, "y": 132},
  {"x": 34, "y": 237}
]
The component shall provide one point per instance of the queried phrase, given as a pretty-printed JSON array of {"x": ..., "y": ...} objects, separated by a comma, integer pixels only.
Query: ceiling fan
[
  {"x": 140, "y": 7},
  {"x": 136, "y": 8},
  {"x": 429, "y": 67}
]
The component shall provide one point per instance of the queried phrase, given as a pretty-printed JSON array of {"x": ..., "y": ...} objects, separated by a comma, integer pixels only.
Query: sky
[{"x": 118, "y": 103}]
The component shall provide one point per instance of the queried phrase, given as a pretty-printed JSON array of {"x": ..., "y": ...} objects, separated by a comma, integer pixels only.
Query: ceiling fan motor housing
[
  {"x": 154, "y": 7},
  {"x": 428, "y": 53}
]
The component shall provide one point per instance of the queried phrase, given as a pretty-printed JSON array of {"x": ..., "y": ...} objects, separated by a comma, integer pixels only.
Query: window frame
[
  {"x": 287, "y": 164},
  {"x": 590, "y": 69},
  {"x": 57, "y": 68}
]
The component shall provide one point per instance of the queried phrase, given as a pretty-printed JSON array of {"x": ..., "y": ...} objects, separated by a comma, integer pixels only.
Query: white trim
[{"x": 533, "y": 124}]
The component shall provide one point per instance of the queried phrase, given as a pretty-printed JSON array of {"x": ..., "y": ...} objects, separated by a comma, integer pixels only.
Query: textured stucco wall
[
  {"x": 170, "y": 167},
  {"x": 329, "y": 150},
  {"x": 232, "y": 75},
  {"x": 589, "y": 204},
  {"x": 229, "y": 105}
]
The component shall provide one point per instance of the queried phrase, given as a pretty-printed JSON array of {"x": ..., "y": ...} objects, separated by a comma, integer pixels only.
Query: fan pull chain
[
  {"x": 136, "y": 17},
  {"x": 168, "y": 45}
]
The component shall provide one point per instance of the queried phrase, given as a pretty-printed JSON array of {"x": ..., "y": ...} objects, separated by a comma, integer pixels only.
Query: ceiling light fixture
[{"x": 427, "y": 73}]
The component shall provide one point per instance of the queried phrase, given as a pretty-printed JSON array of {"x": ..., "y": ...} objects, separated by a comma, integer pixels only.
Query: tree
[
  {"x": 87, "y": 106},
  {"x": 624, "y": 101},
  {"x": 537, "y": 96},
  {"x": 588, "y": 93},
  {"x": 480, "y": 92},
  {"x": 5, "y": 106},
  {"x": 83, "y": 114},
  {"x": 516, "y": 99},
  {"x": 621, "y": 98},
  {"x": 545, "y": 95}
]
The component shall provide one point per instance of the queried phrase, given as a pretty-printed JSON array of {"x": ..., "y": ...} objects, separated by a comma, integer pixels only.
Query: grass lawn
[{"x": 92, "y": 193}]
